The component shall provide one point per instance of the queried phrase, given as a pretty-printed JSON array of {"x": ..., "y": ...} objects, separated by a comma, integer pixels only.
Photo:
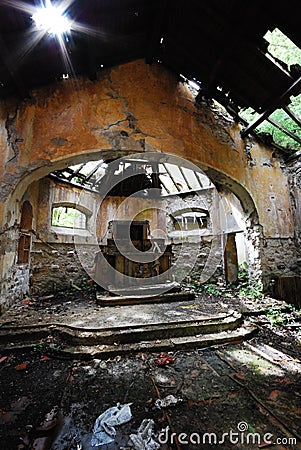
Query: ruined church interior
[{"x": 150, "y": 218}]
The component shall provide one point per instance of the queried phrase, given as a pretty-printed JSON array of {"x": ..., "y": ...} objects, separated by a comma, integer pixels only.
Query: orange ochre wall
[{"x": 132, "y": 108}]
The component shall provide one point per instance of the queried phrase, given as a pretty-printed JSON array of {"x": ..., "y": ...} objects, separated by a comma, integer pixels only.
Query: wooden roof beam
[
  {"x": 278, "y": 103},
  {"x": 285, "y": 130},
  {"x": 292, "y": 115}
]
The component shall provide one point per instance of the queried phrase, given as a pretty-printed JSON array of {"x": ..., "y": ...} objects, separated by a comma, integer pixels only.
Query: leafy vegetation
[
  {"x": 244, "y": 288},
  {"x": 68, "y": 217},
  {"x": 286, "y": 54},
  {"x": 40, "y": 347},
  {"x": 276, "y": 316},
  {"x": 279, "y": 316},
  {"x": 282, "y": 48}
]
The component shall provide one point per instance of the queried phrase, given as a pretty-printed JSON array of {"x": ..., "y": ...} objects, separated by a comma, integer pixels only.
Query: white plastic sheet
[{"x": 104, "y": 428}]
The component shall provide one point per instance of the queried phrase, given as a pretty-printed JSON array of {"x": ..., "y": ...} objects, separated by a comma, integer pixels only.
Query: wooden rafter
[{"x": 278, "y": 103}]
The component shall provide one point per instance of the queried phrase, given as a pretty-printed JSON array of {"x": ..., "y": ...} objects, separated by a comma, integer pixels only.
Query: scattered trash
[
  {"x": 41, "y": 443},
  {"x": 45, "y": 358},
  {"x": 103, "y": 430},
  {"x": 50, "y": 420},
  {"x": 167, "y": 401},
  {"x": 164, "y": 381},
  {"x": 143, "y": 440},
  {"x": 164, "y": 360},
  {"x": 3, "y": 358}
]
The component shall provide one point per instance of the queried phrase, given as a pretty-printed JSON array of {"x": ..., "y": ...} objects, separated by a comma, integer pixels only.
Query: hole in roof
[
  {"x": 282, "y": 48},
  {"x": 279, "y": 126},
  {"x": 173, "y": 179},
  {"x": 282, "y": 127}
]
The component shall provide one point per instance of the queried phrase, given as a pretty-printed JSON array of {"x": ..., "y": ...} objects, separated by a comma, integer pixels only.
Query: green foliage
[
  {"x": 243, "y": 274},
  {"x": 40, "y": 347},
  {"x": 294, "y": 309},
  {"x": 282, "y": 48},
  {"x": 211, "y": 289},
  {"x": 252, "y": 291},
  {"x": 245, "y": 288},
  {"x": 68, "y": 217},
  {"x": 89, "y": 286},
  {"x": 276, "y": 316},
  {"x": 285, "y": 51}
]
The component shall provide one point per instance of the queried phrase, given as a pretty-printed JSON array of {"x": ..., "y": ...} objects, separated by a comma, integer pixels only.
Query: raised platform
[
  {"x": 130, "y": 331},
  {"x": 77, "y": 326},
  {"x": 140, "y": 298}
]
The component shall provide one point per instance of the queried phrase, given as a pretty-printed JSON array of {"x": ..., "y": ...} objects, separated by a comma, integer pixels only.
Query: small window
[
  {"x": 68, "y": 217},
  {"x": 192, "y": 220}
]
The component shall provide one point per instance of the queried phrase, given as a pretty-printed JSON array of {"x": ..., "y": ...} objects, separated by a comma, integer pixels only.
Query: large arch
[{"x": 135, "y": 108}]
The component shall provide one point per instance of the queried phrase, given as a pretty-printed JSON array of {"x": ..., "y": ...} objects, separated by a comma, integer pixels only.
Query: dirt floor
[{"x": 243, "y": 395}]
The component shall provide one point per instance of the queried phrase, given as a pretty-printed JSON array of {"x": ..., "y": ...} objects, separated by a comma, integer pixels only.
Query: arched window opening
[
  {"x": 190, "y": 220},
  {"x": 68, "y": 217},
  {"x": 25, "y": 236}
]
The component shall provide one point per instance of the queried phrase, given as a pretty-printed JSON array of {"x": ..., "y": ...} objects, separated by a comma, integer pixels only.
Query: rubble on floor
[{"x": 244, "y": 394}]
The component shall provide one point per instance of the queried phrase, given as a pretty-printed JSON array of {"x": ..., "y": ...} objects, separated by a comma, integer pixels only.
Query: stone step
[
  {"x": 104, "y": 351},
  {"x": 109, "y": 300},
  {"x": 120, "y": 334}
]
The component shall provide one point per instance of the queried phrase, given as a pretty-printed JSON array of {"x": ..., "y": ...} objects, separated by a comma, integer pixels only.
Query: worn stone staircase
[{"x": 86, "y": 341}]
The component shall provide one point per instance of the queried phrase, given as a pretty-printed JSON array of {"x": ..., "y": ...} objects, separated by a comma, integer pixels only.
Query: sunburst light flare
[{"x": 52, "y": 19}]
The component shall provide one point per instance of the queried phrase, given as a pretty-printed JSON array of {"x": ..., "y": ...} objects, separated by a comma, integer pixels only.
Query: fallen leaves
[
  {"x": 22, "y": 366},
  {"x": 164, "y": 360}
]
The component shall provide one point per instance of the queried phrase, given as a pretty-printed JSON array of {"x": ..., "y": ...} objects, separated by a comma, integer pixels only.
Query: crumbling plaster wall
[
  {"x": 206, "y": 246},
  {"x": 132, "y": 108},
  {"x": 294, "y": 175},
  {"x": 55, "y": 265}
]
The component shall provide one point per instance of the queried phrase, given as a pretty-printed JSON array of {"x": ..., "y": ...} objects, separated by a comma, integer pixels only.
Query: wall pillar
[{"x": 230, "y": 259}]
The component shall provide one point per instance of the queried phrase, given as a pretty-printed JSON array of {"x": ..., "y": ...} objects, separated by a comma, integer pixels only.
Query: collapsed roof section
[
  {"x": 218, "y": 44},
  {"x": 135, "y": 176}
]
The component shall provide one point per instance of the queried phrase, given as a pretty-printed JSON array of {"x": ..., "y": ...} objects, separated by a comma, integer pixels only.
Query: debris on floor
[
  {"x": 164, "y": 360},
  {"x": 252, "y": 385},
  {"x": 104, "y": 429},
  {"x": 144, "y": 439},
  {"x": 50, "y": 420},
  {"x": 169, "y": 400}
]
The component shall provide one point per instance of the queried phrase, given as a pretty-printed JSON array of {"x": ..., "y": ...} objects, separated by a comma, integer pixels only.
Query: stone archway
[{"x": 40, "y": 173}]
